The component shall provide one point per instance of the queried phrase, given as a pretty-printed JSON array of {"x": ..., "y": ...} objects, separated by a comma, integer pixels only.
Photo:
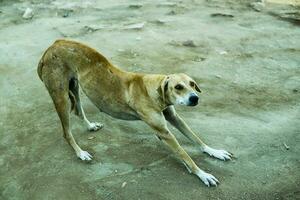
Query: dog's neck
[
  {"x": 152, "y": 84},
  {"x": 162, "y": 91}
]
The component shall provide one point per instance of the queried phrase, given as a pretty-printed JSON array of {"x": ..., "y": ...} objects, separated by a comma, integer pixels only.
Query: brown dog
[{"x": 124, "y": 95}]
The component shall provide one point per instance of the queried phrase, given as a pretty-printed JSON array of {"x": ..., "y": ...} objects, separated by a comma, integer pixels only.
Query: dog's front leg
[
  {"x": 171, "y": 115},
  {"x": 158, "y": 123}
]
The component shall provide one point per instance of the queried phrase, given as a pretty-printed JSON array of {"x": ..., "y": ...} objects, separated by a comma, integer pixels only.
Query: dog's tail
[
  {"x": 40, "y": 68},
  {"x": 41, "y": 63}
]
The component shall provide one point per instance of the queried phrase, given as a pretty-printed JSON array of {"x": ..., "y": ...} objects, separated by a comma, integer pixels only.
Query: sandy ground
[{"x": 246, "y": 61}]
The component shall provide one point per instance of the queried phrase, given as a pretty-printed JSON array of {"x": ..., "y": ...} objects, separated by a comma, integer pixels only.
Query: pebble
[
  {"x": 222, "y": 52},
  {"x": 66, "y": 14},
  {"x": 172, "y": 12},
  {"x": 91, "y": 137},
  {"x": 137, "y": 26},
  {"x": 221, "y": 15},
  {"x": 124, "y": 184},
  {"x": 160, "y": 21},
  {"x": 258, "y": 6},
  {"x": 135, "y": 6},
  {"x": 93, "y": 28},
  {"x": 28, "y": 14},
  {"x": 189, "y": 43}
]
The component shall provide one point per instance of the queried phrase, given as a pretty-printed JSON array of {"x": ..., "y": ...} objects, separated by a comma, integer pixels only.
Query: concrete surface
[{"x": 247, "y": 64}]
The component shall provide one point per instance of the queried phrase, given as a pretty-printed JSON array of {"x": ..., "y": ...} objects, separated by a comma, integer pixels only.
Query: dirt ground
[{"x": 246, "y": 57}]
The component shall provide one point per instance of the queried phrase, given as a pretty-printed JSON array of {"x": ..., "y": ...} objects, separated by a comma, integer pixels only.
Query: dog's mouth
[
  {"x": 192, "y": 104},
  {"x": 193, "y": 100}
]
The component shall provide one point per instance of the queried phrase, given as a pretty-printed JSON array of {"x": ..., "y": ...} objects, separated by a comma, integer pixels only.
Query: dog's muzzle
[{"x": 193, "y": 100}]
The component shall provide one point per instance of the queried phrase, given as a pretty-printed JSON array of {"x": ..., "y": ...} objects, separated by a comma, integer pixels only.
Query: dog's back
[
  {"x": 73, "y": 55},
  {"x": 67, "y": 61}
]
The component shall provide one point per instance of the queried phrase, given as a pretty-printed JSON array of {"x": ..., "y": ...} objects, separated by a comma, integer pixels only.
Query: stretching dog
[{"x": 130, "y": 96}]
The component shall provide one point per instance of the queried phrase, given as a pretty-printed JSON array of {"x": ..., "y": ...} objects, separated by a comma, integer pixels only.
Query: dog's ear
[
  {"x": 164, "y": 88},
  {"x": 197, "y": 87}
]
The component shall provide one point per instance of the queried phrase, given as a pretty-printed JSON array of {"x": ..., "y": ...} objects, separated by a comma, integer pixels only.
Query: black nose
[{"x": 194, "y": 99}]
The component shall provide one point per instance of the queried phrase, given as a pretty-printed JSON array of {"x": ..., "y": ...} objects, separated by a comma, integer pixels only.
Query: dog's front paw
[
  {"x": 220, "y": 154},
  {"x": 94, "y": 126},
  {"x": 84, "y": 155},
  {"x": 208, "y": 179}
]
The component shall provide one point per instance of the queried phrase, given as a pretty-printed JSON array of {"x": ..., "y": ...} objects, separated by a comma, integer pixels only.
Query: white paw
[
  {"x": 221, "y": 154},
  {"x": 84, "y": 155},
  {"x": 208, "y": 179},
  {"x": 94, "y": 126}
]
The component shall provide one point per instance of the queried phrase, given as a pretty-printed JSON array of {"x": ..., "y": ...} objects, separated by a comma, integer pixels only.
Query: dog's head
[{"x": 180, "y": 89}]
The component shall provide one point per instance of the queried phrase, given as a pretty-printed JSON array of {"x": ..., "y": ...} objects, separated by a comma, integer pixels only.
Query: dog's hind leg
[
  {"x": 58, "y": 87},
  {"x": 74, "y": 95}
]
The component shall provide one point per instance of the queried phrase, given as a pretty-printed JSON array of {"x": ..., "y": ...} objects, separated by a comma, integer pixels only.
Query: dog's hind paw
[
  {"x": 84, "y": 155},
  {"x": 94, "y": 126},
  {"x": 208, "y": 179},
  {"x": 220, "y": 154}
]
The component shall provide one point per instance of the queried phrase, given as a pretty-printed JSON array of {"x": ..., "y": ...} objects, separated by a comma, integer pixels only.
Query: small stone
[
  {"x": 28, "y": 14},
  {"x": 91, "y": 137},
  {"x": 258, "y": 6},
  {"x": 174, "y": 43},
  {"x": 222, "y": 52},
  {"x": 286, "y": 146},
  {"x": 135, "y": 6},
  {"x": 160, "y": 21},
  {"x": 66, "y": 14},
  {"x": 137, "y": 26},
  {"x": 172, "y": 12},
  {"x": 124, "y": 184},
  {"x": 199, "y": 59},
  {"x": 189, "y": 43},
  {"x": 93, "y": 28},
  {"x": 221, "y": 15}
]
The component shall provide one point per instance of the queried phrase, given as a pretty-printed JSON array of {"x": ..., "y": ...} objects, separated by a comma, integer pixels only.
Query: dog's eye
[
  {"x": 192, "y": 84},
  {"x": 178, "y": 87}
]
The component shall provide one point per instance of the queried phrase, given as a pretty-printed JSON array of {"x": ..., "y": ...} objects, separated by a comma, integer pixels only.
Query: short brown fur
[{"x": 131, "y": 96}]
